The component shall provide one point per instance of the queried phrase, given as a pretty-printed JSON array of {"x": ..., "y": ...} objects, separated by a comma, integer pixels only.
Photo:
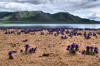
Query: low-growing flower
[
  {"x": 18, "y": 32},
  {"x": 92, "y": 47},
  {"x": 71, "y": 48},
  {"x": 65, "y": 37},
  {"x": 79, "y": 33},
  {"x": 30, "y": 51},
  {"x": 87, "y": 36},
  {"x": 6, "y": 32},
  {"x": 10, "y": 55},
  {"x": 77, "y": 46},
  {"x": 83, "y": 52},
  {"x": 73, "y": 52},
  {"x": 62, "y": 37},
  {"x": 26, "y": 47},
  {"x": 42, "y": 33},
  {"x": 94, "y": 34},
  {"x": 55, "y": 34},
  {"x": 34, "y": 49},
  {"x": 89, "y": 50},
  {"x": 68, "y": 47},
  {"x": 67, "y": 32}
]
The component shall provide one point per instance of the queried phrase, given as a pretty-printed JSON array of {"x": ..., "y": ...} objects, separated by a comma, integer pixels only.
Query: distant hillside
[
  {"x": 98, "y": 21},
  {"x": 41, "y": 17}
]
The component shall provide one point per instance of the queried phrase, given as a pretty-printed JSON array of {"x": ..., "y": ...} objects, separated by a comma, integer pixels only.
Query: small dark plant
[{"x": 10, "y": 55}]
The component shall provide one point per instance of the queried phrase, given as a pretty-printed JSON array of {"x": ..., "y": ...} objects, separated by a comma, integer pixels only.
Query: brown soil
[{"x": 54, "y": 45}]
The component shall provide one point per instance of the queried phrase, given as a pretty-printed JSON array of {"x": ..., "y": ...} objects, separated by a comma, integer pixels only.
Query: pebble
[
  {"x": 17, "y": 43},
  {"x": 48, "y": 46},
  {"x": 59, "y": 43},
  {"x": 53, "y": 45},
  {"x": 14, "y": 45},
  {"x": 25, "y": 40},
  {"x": 96, "y": 43},
  {"x": 97, "y": 56},
  {"x": 14, "y": 51},
  {"x": 45, "y": 54},
  {"x": 20, "y": 59},
  {"x": 31, "y": 62},
  {"x": 44, "y": 48},
  {"x": 40, "y": 56},
  {"x": 18, "y": 65}
]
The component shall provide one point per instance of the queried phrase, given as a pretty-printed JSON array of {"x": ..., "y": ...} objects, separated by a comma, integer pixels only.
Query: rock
[
  {"x": 96, "y": 43},
  {"x": 45, "y": 54},
  {"x": 25, "y": 40},
  {"x": 14, "y": 45},
  {"x": 14, "y": 51},
  {"x": 40, "y": 56},
  {"x": 20, "y": 59},
  {"x": 31, "y": 62},
  {"x": 48, "y": 46},
  {"x": 97, "y": 56},
  {"x": 53, "y": 45},
  {"x": 59, "y": 43},
  {"x": 17, "y": 43},
  {"x": 44, "y": 48},
  {"x": 18, "y": 65}
]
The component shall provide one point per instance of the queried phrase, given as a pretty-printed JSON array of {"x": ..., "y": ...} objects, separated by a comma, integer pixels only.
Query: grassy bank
[{"x": 35, "y": 22}]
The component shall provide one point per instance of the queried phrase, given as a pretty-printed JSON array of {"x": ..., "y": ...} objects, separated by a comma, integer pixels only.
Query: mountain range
[{"x": 39, "y": 17}]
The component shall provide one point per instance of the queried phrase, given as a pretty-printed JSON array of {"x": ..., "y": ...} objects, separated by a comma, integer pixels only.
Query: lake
[{"x": 96, "y": 26}]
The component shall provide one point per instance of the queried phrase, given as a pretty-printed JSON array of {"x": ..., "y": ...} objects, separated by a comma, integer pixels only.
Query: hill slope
[{"x": 41, "y": 17}]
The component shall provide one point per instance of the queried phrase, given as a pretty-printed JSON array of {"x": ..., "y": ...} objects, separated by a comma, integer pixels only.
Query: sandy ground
[{"x": 54, "y": 45}]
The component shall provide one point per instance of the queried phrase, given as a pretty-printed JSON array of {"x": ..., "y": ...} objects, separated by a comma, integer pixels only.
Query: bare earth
[{"x": 54, "y": 45}]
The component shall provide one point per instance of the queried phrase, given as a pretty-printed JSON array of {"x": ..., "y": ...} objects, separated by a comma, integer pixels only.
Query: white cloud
[{"x": 52, "y": 6}]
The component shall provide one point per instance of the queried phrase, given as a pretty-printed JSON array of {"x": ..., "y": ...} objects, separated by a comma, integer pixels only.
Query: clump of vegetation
[
  {"x": 71, "y": 35},
  {"x": 42, "y": 33},
  {"x": 64, "y": 37},
  {"x": 32, "y": 50},
  {"x": 19, "y": 33},
  {"x": 56, "y": 34},
  {"x": 10, "y": 55},
  {"x": 73, "y": 48},
  {"x": 26, "y": 48},
  {"x": 89, "y": 50},
  {"x": 87, "y": 36}
]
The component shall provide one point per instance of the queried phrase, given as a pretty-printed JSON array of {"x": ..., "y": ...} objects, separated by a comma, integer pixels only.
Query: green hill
[{"x": 36, "y": 17}]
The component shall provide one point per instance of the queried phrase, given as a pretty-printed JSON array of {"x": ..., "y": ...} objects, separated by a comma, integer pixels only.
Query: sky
[{"x": 89, "y": 9}]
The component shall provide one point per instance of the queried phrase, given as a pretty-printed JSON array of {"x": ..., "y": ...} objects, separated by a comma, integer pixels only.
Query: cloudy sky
[{"x": 83, "y": 8}]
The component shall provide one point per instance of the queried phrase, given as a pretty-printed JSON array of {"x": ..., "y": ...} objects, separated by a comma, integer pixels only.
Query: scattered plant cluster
[
  {"x": 73, "y": 48},
  {"x": 58, "y": 31},
  {"x": 90, "y": 50},
  {"x": 27, "y": 51}
]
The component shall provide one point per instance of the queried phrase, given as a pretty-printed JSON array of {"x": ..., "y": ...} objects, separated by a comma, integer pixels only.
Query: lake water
[{"x": 96, "y": 26}]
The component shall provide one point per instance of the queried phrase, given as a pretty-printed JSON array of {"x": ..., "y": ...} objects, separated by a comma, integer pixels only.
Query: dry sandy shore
[{"x": 54, "y": 45}]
